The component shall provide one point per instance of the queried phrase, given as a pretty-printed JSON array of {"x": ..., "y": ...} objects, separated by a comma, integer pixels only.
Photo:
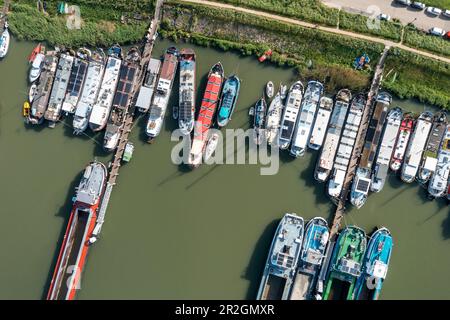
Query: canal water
[{"x": 173, "y": 233}]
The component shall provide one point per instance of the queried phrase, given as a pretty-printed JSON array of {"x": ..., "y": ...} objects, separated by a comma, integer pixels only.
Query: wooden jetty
[{"x": 129, "y": 117}]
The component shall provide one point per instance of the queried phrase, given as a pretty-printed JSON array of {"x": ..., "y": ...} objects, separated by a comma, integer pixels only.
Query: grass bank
[
  {"x": 101, "y": 23},
  {"x": 315, "y": 54},
  {"x": 314, "y": 11},
  {"x": 412, "y": 76}
]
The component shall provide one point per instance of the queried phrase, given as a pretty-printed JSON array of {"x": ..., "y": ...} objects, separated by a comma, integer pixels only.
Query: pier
[
  {"x": 129, "y": 117},
  {"x": 373, "y": 92}
]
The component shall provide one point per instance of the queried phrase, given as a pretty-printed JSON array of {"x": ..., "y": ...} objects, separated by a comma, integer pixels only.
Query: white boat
[
  {"x": 321, "y": 123},
  {"x": 291, "y": 110},
  {"x": 386, "y": 149},
  {"x": 283, "y": 91},
  {"x": 360, "y": 187},
  {"x": 346, "y": 144},
  {"x": 36, "y": 67},
  {"x": 32, "y": 93},
  {"x": 438, "y": 183},
  {"x": 306, "y": 118},
  {"x": 430, "y": 154},
  {"x": 416, "y": 146},
  {"x": 89, "y": 93},
  {"x": 270, "y": 89},
  {"x": 4, "y": 41},
  {"x": 75, "y": 85},
  {"x": 161, "y": 97},
  {"x": 273, "y": 119},
  {"x": 59, "y": 88},
  {"x": 326, "y": 158},
  {"x": 211, "y": 146},
  {"x": 147, "y": 89},
  {"x": 102, "y": 106}
]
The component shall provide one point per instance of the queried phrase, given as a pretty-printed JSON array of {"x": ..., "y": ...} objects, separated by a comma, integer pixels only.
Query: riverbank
[
  {"x": 314, "y": 53},
  {"x": 316, "y": 12},
  {"x": 100, "y": 22}
]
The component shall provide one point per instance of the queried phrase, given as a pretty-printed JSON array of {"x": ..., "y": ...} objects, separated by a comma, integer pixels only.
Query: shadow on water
[
  {"x": 255, "y": 268},
  {"x": 307, "y": 175},
  {"x": 64, "y": 212},
  {"x": 203, "y": 176},
  {"x": 446, "y": 227},
  {"x": 396, "y": 183}
]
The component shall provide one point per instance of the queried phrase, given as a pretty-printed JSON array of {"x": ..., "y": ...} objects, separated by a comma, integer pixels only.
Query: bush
[{"x": 419, "y": 39}]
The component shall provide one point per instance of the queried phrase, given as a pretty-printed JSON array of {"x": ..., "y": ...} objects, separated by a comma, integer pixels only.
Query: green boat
[
  {"x": 128, "y": 152},
  {"x": 346, "y": 263}
]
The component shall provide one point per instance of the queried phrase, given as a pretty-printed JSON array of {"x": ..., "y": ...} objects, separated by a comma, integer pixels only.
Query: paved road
[
  {"x": 326, "y": 29},
  {"x": 405, "y": 14}
]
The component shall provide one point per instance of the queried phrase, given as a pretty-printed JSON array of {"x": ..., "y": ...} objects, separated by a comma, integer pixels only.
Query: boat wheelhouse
[
  {"x": 326, "y": 159},
  {"x": 306, "y": 118},
  {"x": 144, "y": 98},
  {"x": 281, "y": 264}
]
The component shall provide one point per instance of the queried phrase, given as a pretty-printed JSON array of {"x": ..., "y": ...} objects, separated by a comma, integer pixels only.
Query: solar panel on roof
[
  {"x": 128, "y": 87},
  {"x": 362, "y": 186},
  {"x": 131, "y": 73}
]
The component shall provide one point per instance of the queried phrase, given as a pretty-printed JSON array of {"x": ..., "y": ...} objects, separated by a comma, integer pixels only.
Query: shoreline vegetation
[
  {"x": 316, "y": 12},
  {"x": 313, "y": 53}
]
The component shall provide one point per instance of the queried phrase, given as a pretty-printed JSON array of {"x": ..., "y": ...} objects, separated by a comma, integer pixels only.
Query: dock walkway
[
  {"x": 129, "y": 117},
  {"x": 376, "y": 82}
]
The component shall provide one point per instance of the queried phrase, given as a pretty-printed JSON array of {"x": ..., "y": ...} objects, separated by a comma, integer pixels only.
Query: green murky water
[{"x": 172, "y": 233}]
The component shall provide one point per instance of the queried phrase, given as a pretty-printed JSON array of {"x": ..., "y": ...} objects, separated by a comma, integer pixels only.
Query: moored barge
[
  {"x": 281, "y": 264},
  {"x": 326, "y": 159},
  {"x": 74, "y": 249},
  {"x": 321, "y": 123},
  {"x": 289, "y": 118},
  {"x": 186, "y": 107},
  {"x": 206, "y": 114}
]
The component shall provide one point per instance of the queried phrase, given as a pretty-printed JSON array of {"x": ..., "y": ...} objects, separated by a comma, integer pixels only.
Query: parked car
[
  {"x": 447, "y": 36},
  {"x": 437, "y": 32},
  {"x": 418, "y": 5},
  {"x": 446, "y": 13},
  {"x": 384, "y": 16},
  {"x": 434, "y": 11},
  {"x": 403, "y": 2}
]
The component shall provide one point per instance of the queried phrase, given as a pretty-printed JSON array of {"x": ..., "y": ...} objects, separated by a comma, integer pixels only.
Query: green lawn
[{"x": 443, "y": 4}]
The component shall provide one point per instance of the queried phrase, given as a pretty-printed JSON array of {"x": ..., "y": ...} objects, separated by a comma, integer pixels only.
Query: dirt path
[{"x": 322, "y": 28}]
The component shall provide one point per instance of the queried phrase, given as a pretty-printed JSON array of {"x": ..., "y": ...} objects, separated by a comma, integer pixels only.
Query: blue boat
[
  {"x": 375, "y": 268},
  {"x": 311, "y": 259},
  {"x": 230, "y": 93},
  {"x": 282, "y": 261}
]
